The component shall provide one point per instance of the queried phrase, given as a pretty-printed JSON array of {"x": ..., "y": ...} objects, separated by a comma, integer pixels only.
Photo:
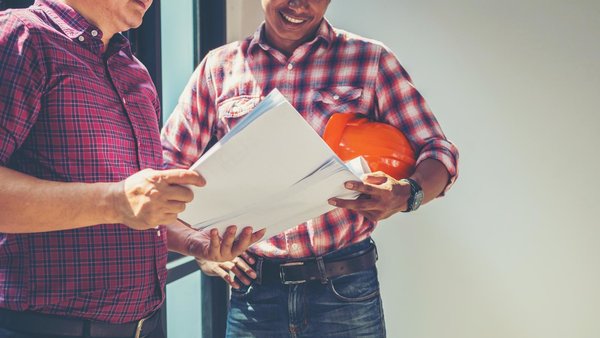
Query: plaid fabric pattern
[
  {"x": 73, "y": 114},
  {"x": 335, "y": 72}
]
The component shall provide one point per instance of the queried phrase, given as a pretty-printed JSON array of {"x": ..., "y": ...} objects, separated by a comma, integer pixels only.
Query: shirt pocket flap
[
  {"x": 338, "y": 95},
  {"x": 237, "y": 106}
]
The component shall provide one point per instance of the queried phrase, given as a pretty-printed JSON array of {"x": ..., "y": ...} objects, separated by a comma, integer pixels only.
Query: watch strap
[{"x": 416, "y": 195}]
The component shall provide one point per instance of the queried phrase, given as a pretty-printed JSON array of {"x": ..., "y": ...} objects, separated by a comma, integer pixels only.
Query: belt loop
[
  {"x": 259, "y": 266},
  {"x": 322, "y": 270},
  {"x": 87, "y": 329}
]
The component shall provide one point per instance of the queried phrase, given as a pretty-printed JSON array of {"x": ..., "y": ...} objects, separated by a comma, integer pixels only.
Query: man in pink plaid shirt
[
  {"x": 85, "y": 208},
  {"x": 319, "y": 278}
]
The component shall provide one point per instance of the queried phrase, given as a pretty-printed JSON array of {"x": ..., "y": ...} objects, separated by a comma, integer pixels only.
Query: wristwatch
[{"x": 416, "y": 195}]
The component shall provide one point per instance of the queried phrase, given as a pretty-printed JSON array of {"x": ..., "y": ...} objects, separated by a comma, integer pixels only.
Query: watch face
[
  {"x": 416, "y": 195},
  {"x": 417, "y": 200}
]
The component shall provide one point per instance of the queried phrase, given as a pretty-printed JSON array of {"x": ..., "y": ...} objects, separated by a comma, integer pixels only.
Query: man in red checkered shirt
[
  {"x": 319, "y": 278},
  {"x": 83, "y": 197}
]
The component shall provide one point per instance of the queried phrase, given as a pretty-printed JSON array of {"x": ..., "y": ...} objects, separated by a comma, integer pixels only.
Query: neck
[{"x": 93, "y": 14}]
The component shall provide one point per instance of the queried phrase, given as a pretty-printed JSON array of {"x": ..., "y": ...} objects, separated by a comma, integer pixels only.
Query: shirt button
[
  {"x": 94, "y": 33},
  {"x": 81, "y": 38},
  {"x": 336, "y": 97},
  {"x": 290, "y": 66}
]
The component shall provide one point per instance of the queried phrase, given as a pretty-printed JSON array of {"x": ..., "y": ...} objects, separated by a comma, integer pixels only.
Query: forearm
[
  {"x": 30, "y": 204},
  {"x": 433, "y": 177}
]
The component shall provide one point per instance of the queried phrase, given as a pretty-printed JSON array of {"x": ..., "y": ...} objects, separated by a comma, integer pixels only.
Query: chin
[{"x": 131, "y": 24}]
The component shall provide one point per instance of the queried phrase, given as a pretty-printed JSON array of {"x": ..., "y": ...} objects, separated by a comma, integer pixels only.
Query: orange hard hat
[{"x": 383, "y": 146}]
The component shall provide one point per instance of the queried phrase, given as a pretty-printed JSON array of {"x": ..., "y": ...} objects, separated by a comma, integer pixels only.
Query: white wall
[
  {"x": 243, "y": 18},
  {"x": 512, "y": 251}
]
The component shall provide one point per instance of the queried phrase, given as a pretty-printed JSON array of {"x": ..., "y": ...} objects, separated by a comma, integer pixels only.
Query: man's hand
[
  {"x": 207, "y": 245},
  {"x": 238, "y": 267},
  {"x": 382, "y": 196},
  {"x": 152, "y": 197}
]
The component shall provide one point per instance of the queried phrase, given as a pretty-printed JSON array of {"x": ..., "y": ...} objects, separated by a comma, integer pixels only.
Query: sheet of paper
[{"x": 272, "y": 170}]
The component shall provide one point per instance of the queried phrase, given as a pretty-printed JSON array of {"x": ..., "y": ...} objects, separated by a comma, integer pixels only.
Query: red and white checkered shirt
[
  {"x": 335, "y": 72},
  {"x": 70, "y": 113}
]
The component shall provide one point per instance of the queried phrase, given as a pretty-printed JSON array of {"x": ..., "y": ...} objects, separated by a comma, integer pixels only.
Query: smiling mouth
[{"x": 292, "y": 20}]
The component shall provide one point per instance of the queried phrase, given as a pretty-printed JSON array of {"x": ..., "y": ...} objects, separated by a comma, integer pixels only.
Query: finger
[
  {"x": 215, "y": 245},
  {"x": 241, "y": 275},
  {"x": 177, "y": 193},
  {"x": 174, "y": 207},
  {"x": 376, "y": 178},
  {"x": 358, "y": 204},
  {"x": 361, "y": 187},
  {"x": 258, "y": 236},
  {"x": 207, "y": 267},
  {"x": 242, "y": 242},
  {"x": 219, "y": 271},
  {"x": 227, "y": 242},
  {"x": 246, "y": 257},
  {"x": 242, "y": 265},
  {"x": 183, "y": 176}
]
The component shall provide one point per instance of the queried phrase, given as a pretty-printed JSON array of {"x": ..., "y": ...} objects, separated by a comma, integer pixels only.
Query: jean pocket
[{"x": 356, "y": 287}]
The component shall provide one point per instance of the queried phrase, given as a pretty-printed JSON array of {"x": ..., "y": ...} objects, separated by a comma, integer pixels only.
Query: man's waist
[
  {"x": 354, "y": 258},
  {"x": 53, "y": 325},
  {"x": 99, "y": 305}
]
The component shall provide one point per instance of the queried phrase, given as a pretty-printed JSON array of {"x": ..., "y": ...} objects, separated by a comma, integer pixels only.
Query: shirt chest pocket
[
  {"x": 233, "y": 110},
  {"x": 331, "y": 100}
]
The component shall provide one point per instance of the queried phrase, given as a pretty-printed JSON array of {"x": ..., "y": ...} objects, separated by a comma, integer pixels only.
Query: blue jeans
[{"x": 347, "y": 306}]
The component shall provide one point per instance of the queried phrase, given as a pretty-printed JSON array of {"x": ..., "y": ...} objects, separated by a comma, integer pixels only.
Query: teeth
[{"x": 292, "y": 20}]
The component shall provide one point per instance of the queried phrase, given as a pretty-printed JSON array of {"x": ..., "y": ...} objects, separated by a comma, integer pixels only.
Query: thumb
[
  {"x": 376, "y": 178},
  {"x": 183, "y": 176}
]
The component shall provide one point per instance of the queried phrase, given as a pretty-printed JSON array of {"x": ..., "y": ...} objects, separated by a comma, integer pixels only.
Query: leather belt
[
  {"x": 50, "y": 325},
  {"x": 314, "y": 269}
]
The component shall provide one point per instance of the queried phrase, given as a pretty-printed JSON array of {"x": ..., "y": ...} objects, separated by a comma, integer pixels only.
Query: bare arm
[
  {"x": 142, "y": 201},
  {"x": 433, "y": 177}
]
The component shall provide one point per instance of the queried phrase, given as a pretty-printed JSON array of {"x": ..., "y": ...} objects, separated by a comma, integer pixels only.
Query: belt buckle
[
  {"x": 140, "y": 325},
  {"x": 282, "y": 273}
]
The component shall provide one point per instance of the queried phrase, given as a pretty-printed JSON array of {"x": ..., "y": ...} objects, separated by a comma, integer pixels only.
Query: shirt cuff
[{"x": 445, "y": 152}]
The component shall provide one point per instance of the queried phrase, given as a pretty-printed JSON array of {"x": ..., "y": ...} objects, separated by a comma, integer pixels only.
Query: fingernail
[
  {"x": 252, "y": 274},
  {"x": 349, "y": 185},
  {"x": 332, "y": 202}
]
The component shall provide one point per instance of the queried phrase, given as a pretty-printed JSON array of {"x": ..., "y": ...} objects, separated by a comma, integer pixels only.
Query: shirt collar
[
  {"x": 67, "y": 19},
  {"x": 74, "y": 24},
  {"x": 325, "y": 33}
]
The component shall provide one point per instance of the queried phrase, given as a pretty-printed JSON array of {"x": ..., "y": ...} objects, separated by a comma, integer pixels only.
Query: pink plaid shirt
[
  {"x": 70, "y": 113},
  {"x": 335, "y": 72}
]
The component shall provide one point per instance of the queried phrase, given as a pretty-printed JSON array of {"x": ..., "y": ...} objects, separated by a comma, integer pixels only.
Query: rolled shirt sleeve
[
  {"x": 188, "y": 131},
  {"x": 401, "y": 105}
]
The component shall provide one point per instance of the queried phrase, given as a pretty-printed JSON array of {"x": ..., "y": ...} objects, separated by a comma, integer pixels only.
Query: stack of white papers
[{"x": 272, "y": 170}]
